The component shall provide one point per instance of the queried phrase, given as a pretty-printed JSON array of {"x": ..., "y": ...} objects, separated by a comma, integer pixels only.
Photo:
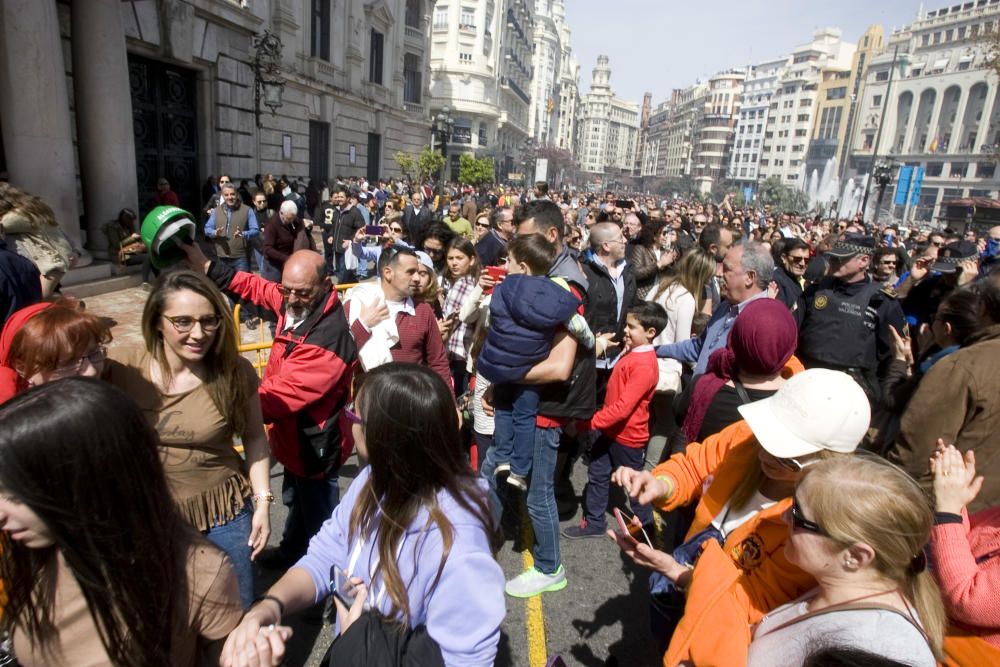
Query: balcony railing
[
  {"x": 507, "y": 81},
  {"x": 415, "y": 34}
]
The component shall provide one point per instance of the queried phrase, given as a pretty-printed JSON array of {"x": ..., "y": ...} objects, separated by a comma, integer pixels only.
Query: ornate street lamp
[
  {"x": 441, "y": 129},
  {"x": 266, "y": 66}
]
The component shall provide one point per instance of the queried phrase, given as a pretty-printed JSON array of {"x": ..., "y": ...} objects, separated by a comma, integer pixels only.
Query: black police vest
[{"x": 839, "y": 330}]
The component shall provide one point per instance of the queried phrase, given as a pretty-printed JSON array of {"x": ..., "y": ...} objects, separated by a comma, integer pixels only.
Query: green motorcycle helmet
[{"x": 162, "y": 229}]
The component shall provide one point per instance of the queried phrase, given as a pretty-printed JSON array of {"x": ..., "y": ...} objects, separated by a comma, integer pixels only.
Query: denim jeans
[
  {"x": 340, "y": 272},
  {"x": 541, "y": 497},
  {"x": 605, "y": 456},
  {"x": 514, "y": 425},
  {"x": 233, "y": 538},
  {"x": 310, "y": 502}
]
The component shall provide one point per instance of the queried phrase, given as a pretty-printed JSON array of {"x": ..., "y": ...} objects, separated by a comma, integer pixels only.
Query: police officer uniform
[{"x": 846, "y": 326}]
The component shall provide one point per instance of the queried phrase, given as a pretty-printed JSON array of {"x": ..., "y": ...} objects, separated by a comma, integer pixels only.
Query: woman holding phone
[
  {"x": 412, "y": 536},
  {"x": 459, "y": 281}
]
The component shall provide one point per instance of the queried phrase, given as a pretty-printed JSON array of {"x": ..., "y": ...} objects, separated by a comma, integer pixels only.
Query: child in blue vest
[{"x": 527, "y": 309}]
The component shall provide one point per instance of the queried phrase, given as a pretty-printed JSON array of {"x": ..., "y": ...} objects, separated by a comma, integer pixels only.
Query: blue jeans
[
  {"x": 310, "y": 502},
  {"x": 605, "y": 456},
  {"x": 514, "y": 425},
  {"x": 233, "y": 538},
  {"x": 541, "y": 497}
]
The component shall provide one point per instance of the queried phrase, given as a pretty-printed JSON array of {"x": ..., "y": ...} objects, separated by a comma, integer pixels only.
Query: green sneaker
[{"x": 531, "y": 582}]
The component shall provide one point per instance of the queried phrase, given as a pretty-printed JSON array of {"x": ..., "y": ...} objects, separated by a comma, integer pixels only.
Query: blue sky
[{"x": 659, "y": 45}]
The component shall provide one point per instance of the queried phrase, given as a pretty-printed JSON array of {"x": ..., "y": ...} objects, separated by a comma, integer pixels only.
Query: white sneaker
[
  {"x": 501, "y": 468},
  {"x": 518, "y": 481},
  {"x": 531, "y": 582}
]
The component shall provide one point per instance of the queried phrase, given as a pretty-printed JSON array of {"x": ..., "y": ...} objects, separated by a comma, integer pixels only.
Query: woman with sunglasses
[
  {"x": 858, "y": 525},
  {"x": 200, "y": 394},
  {"x": 731, "y": 570},
  {"x": 412, "y": 537},
  {"x": 50, "y": 341}
]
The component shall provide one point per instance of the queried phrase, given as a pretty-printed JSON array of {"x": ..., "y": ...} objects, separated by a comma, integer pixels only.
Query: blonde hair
[
  {"x": 693, "y": 272},
  {"x": 869, "y": 500}
]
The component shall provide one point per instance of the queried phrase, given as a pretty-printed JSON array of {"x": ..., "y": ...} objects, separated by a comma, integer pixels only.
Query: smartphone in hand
[
  {"x": 374, "y": 230},
  {"x": 340, "y": 585},
  {"x": 632, "y": 531}
]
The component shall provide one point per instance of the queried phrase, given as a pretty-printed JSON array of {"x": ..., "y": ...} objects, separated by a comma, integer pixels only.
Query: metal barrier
[{"x": 263, "y": 347}]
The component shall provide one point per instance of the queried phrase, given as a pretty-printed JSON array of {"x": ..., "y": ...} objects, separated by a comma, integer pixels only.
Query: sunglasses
[
  {"x": 398, "y": 230},
  {"x": 797, "y": 260},
  {"x": 483, "y": 224},
  {"x": 800, "y": 522},
  {"x": 353, "y": 416},
  {"x": 300, "y": 293}
]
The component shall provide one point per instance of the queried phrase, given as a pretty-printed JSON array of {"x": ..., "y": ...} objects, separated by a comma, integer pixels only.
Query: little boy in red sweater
[{"x": 623, "y": 421}]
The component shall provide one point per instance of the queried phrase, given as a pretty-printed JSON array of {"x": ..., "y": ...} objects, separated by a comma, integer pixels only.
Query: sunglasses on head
[{"x": 800, "y": 522}]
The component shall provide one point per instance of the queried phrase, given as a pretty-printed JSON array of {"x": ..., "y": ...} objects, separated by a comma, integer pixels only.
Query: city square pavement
[{"x": 600, "y": 618}]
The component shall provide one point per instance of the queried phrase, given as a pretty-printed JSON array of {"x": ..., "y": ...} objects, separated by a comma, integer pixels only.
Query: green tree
[
  {"x": 407, "y": 163},
  {"x": 429, "y": 163},
  {"x": 475, "y": 171}
]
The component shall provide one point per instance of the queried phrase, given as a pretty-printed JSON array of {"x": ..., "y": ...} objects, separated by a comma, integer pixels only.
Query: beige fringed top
[{"x": 207, "y": 477}]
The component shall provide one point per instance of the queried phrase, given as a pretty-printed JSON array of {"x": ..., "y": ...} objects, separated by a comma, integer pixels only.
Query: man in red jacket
[{"x": 304, "y": 390}]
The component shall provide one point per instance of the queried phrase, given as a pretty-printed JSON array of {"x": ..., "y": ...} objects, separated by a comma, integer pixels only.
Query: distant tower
[{"x": 601, "y": 76}]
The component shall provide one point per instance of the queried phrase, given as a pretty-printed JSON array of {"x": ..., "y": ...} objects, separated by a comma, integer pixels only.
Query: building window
[
  {"x": 320, "y": 29},
  {"x": 925, "y": 39},
  {"x": 465, "y": 57},
  {"x": 441, "y": 17},
  {"x": 882, "y": 76},
  {"x": 467, "y": 20},
  {"x": 413, "y": 79},
  {"x": 482, "y": 134},
  {"x": 877, "y": 101},
  {"x": 836, "y": 93},
  {"x": 413, "y": 12},
  {"x": 375, "y": 64},
  {"x": 934, "y": 169},
  {"x": 803, "y": 118},
  {"x": 985, "y": 170}
]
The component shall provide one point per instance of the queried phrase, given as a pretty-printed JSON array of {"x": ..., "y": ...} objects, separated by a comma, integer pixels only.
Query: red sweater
[
  {"x": 625, "y": 415},
  {"x": 971, "y": 590},
  {"x": 419, "y": 340}
]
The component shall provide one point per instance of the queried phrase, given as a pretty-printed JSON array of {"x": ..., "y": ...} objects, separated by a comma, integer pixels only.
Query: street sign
[
  {"x": 541, "y": 169},
  {"x": 918, "y": 181},
  {"x": 903, "y": 185}
]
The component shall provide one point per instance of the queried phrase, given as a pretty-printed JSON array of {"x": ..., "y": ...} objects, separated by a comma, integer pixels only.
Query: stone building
[
  {"x": 481, "y": 63},
  {"x": 100, "y": 98},
  {"x": 942, "y": 112},
  {"x": 751, "y": 128},
  {"x": 713, "y": 139},
  {"x": 607, "y": 127}
]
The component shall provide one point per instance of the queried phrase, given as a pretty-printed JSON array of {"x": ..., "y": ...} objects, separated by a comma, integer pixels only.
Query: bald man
[{"x": 305, "y": 387}]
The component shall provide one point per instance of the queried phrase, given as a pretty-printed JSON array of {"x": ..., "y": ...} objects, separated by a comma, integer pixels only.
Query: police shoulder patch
[
  {"x": 749, "y": 553},
  {"x": 820, "y": 302},
  {"x": 889, "y": 292}
]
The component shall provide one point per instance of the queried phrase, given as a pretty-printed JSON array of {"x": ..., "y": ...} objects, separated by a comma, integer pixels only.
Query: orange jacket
[
  {"x": 962, "y": 649},
  {"x": 733, "y": 586}
]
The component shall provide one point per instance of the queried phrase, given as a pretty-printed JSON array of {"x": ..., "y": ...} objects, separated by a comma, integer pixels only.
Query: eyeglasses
[
  {"x": 184, "y": 324},
  {"x": 96, "y": 357},
  {"x": 353, "y": 416},
  {"x": 397, "y": 229},
  {"x": 433, "y": 251},
  {"x": 797, "y": 260},
  {"x": 888, "y": 262},
  {"x": 801, "y": 522},
  {"x": 483, "y": 224},
  {"x": 300, "y": 293}
]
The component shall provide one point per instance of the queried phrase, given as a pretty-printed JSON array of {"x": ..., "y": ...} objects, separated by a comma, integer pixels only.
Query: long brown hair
[
  {"x": 223, "y": 381},
  {"x": 415, "y": 451},
  {"x": 867, "y": 499},
  {"x": 693, "y": 272}
]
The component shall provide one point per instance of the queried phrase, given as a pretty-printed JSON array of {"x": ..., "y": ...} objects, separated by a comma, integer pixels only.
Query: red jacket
[
  {"x": 625, "y": 415},
  {"x": 308, "y": 378}
]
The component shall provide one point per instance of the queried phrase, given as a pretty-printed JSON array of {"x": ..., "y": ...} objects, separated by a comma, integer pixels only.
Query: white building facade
[
  {"x": 942, "y": 113},
  {"x": 793, "y": 105},
  {"x": 754, "y": 116},
  {"x": 481, "y": 64},
  {"x": 713, "y": 140},
  {"x": 608, "y": 127}
]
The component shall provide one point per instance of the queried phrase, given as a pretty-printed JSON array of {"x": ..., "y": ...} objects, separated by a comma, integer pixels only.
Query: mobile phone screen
[
  {"x": 374, "y": 230},
  {"x": 341, "y": 585},
  {"x": 630, "y": 530}
]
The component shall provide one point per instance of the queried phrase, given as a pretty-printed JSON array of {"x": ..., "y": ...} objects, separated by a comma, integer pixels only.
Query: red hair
[{"x": 55, "y": 337}]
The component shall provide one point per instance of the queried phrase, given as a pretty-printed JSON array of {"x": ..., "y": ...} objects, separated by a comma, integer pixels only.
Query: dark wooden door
[
  {"x": 319, "y": 151},
  {"x": 374, "y": 156},
  {"x": 166, "y": 131}
]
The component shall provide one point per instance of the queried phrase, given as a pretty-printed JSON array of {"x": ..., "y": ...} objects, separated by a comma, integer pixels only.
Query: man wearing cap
[
  {"x": 957, "y": 264},
  {"x": 845, "y": 318}
]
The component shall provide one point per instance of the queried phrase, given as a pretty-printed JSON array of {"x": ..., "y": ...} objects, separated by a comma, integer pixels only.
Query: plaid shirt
[{"x": 455, "y": 295}]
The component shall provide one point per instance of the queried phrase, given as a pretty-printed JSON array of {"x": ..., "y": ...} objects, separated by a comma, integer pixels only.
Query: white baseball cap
[{"x": 814, "y": 410}]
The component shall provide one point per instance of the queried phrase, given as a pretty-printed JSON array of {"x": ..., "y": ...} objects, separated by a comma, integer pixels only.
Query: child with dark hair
[
  {"x": 623, "y": 421},
  {"x": 526, "y": 311}
]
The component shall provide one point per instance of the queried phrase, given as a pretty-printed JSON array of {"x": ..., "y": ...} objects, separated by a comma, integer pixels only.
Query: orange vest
[{"x": 735, "y": 585}]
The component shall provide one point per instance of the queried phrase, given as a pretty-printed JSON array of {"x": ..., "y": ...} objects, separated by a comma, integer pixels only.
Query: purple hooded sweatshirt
[{"x": 462, "y": 613}]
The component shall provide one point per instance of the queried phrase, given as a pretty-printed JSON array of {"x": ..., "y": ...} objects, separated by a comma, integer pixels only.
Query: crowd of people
[{"x": 798, "y": 409}]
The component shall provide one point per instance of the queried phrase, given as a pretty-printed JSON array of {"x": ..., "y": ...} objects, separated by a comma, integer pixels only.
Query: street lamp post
[
  {"x": 442, "y": 129},
  {"x": 884, "y": 172},
  {"x": 886, "y": 103},
  {"x": 266, "y": 66}
]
